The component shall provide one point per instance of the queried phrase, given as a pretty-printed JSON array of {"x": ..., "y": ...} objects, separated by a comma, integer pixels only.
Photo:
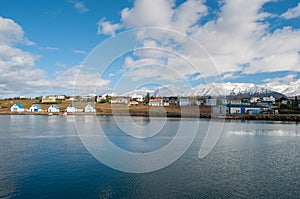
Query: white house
[
  {"x": 71, "y": 108},
  {"x": 184, "y": 102},
  {"x": 133, "y": 103},
  {"x": 158, "y": 102},
  {"x": 89, "y": 108},
  {"x": 269, "y": 99},
  {"x": 35, "y": 108},
  {"x": 53, "y": 108},
  {"x": 138, "y": 98},
  {"x": 101, "y": 98},
  {"x": 60, "y": 97},
  {"x": 235, "y": 102},
  {"x": 255, "y": 99},
  {"x": 17, "y": 108},
  {"x": 119, "y": 100},
  {"x": 225, "y": 101},
  {"x": 211, "y": 102},
  {"x": 220, "y": 110}
]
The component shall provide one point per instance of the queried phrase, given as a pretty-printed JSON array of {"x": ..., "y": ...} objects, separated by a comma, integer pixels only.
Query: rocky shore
[{"x": 270, "y": 117}]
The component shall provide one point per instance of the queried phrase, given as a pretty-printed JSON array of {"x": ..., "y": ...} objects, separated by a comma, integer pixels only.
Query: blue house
[
  {"x": 53, "y": 108},
  {"x": 35, "y": 108},
  {"x": 243, "y": 109},
  {"x": 71, "y": 108},
  {"x": 89, "y": 108},
  {"x": 17, "y": 108}
]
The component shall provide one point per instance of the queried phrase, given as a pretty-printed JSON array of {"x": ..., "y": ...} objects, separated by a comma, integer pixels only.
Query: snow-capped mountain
[
  {"x": 228, "y": 89},
  {"x": 167, "y": 91},
  {"x": 141, "y": 91},
  {"x": 289, "y": 88},
  {"x": 232, "y": 90}
]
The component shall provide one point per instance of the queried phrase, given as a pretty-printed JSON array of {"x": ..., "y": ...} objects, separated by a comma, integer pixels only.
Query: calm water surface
[{"x": 43, "y": 157}]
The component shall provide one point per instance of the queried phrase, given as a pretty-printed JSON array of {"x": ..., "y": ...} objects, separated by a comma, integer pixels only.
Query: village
[{"x": 140, "y": 105}]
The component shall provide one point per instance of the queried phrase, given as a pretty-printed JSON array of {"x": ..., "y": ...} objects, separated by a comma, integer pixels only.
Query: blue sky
[{"x": 45, "y": 45}]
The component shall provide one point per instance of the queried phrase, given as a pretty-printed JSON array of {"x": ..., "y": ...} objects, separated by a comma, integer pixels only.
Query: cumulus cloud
[
  {"x": 237, "y": 40},
  {"x": 292, "y": 12},
  {"x": 12, "y": 33},
  {"x": 20, "y": 76},
  {"x": 107, "y": 27}
]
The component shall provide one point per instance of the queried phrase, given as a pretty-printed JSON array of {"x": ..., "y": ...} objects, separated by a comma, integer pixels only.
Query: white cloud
[
  {"x": 49, "y": 48},
  {"x": 292, "y": 12},
  {"x": 79, "y": 52},
  {"x": 107, "y": 27},
  {"x": 145, "y": 13},
  {"x": 163, "y": 13},
  {"x": 20, "y": 76},
  {"x": 61, "y": 65},
  {"x": 79, "y": 6},
  {"x": 12, "y": 33},
  {"x": 286, "y": 79},
  {"x": 237, "y": 41}
]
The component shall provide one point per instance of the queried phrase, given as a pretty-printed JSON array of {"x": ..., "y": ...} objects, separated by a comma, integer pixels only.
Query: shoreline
[{"x": 266, "y": 117}]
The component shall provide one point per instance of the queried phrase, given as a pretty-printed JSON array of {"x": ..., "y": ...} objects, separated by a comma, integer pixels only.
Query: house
[
  {"x": 102, "y": 98},
  {"x": 89, "y": 98},
  {"x": 71, "y": 108},
  {"x": 224, "y": 101},
  {"x": 197, "y": 102},
  {"x": 53, "y": 108},
  {"x": 35, "y": 108},
  {"x": 138, "y": 98},
  {"x": 171, "y": 100},
  {"x": 265, "y": 103},
  {"x": 255, "y": 99},
  {"x": 211, "y": 102},
  {"x": 17, "y": 108},
  {"x": 184, "y": 102},
  {"x": 240, "y": 109},
  {"x": 235, "y": 102},
  {"x": 245, "y": 103},
  {"x": 120, "y": 100},
  {"x": 133, "y": 103},
  {"x": 60, "y": 97},
  {"x": 158, "y": 102},
  {"x": 269, "y": 99},
  {"x": 48, "y": 99},
  {"x": 89, "y": 108},
  {"x": 220, "y": 110}
]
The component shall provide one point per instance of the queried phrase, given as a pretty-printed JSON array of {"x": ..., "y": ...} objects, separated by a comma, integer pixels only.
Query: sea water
[{"x": 44, "y": 157}]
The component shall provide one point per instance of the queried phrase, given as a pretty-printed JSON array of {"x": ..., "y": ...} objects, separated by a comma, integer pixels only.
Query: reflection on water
[
  {"x": 43, "y": 157},
  {"x": 265, "y": 132}
]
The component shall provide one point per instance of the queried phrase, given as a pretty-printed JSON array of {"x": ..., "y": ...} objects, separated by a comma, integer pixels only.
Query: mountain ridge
[{"x": 228, "y": 89}]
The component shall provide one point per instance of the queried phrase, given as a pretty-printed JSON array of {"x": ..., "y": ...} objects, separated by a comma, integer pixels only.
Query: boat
[{"x": 50, "y": 114}]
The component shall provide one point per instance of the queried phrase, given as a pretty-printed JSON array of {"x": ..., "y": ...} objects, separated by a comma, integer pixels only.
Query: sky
[{"x": 88, "y": 46}]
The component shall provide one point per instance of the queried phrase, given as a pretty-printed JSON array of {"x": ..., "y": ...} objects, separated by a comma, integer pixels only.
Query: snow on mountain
[
  {"x": 167, "y": 91},
  {"x": 231, "y": 90},
  {"x": 141, "y": 91},
  {"x": 228, "y": 89},
  {"x": 289, "y": 88}
]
